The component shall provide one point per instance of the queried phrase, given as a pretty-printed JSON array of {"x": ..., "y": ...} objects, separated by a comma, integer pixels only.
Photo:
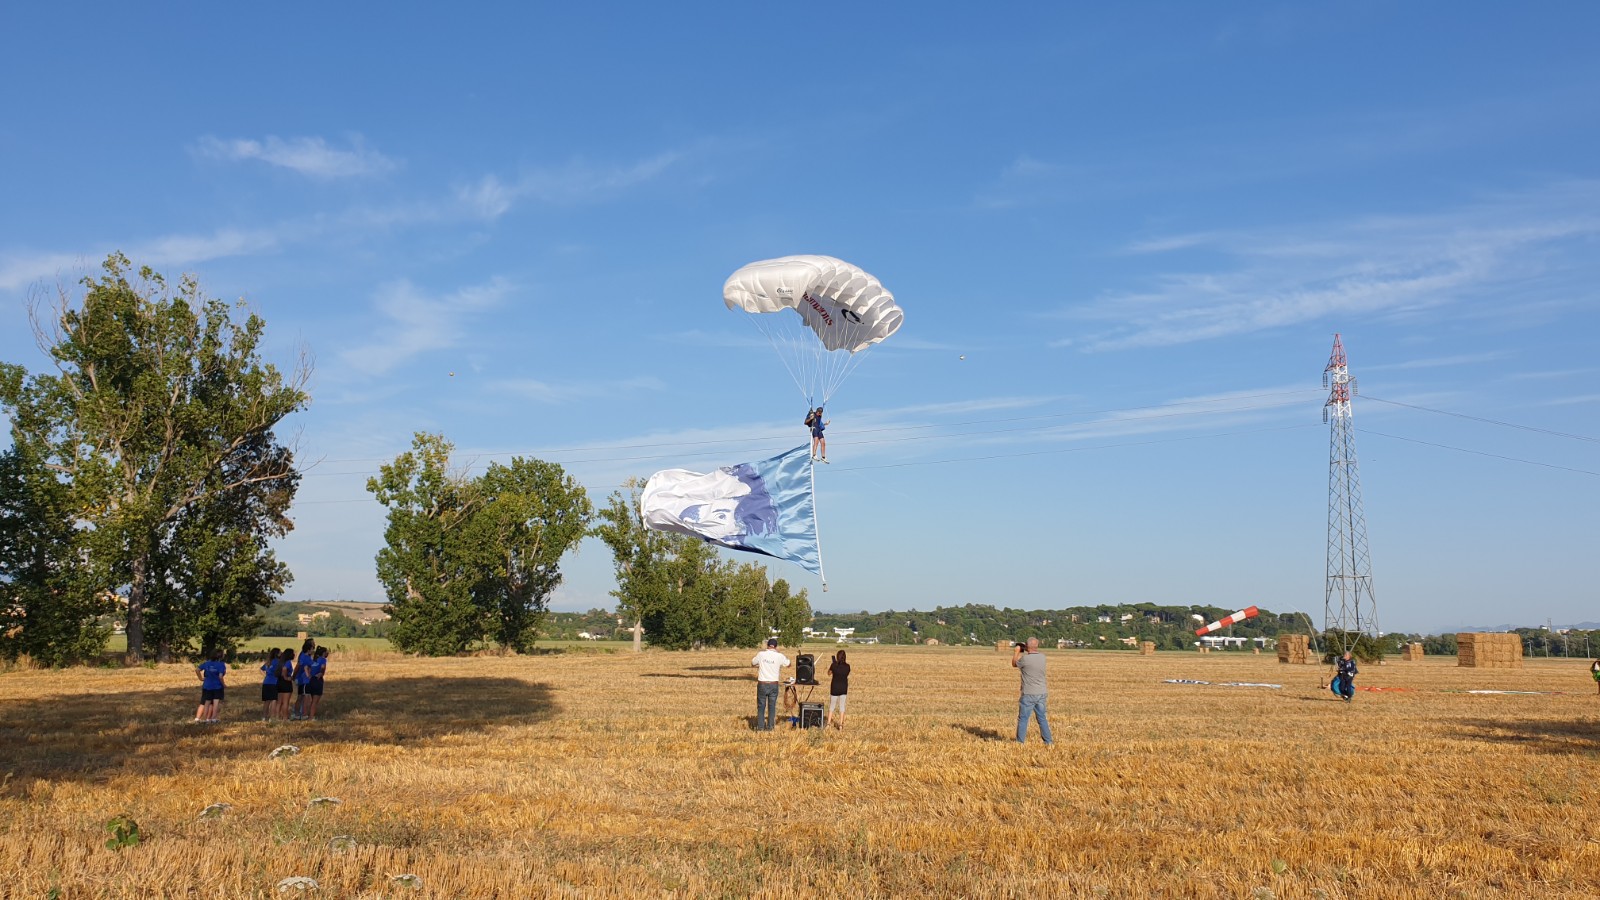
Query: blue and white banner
[{"x": 763, "y": 507}]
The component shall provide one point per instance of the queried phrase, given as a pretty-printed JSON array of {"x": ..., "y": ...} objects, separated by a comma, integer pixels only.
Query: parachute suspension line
[
  {"x": 815, "y": 529},
  {"x": 786, "y": 348},
  {"x": 816, "y": 371}
]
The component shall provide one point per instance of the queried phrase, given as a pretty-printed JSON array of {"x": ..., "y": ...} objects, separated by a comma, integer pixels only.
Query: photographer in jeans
[
  {"x": 769, "y": 665},
  {"x": 1034, "y": 692}
]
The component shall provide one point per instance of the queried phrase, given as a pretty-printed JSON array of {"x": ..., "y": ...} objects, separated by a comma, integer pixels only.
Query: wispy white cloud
[
  {"x": 1548, "y": 374},
  {"x": 1171, "y": 242},
  {"x": 173, "y": 250},
  {"x": 21, "y": 271},
  {"x": 415, "y": 322},
  {"x": 1373, "y": 268},
  {"x": 310, "y": 156},
  {"x": 552, "y": 392},
  {"x": 574, "y": 183},
  {"x": 1571, "y": 401},
  {"x": 1440, "y": 362}
]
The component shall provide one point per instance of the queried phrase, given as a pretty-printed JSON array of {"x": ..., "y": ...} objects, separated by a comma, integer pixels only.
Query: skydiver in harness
[
  {"x": 1344, "y": 682},
  {"x": 819, "y": 444}
]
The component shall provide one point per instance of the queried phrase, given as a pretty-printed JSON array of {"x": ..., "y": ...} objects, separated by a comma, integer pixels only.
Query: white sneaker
[{"x": 825, "y": 459}]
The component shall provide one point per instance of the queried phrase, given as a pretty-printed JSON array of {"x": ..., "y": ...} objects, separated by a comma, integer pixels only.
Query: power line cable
[
  {"x": 1529, "y": 462},
  {"x": 1446, "y": 412},
  {"x": 774, "y": 437}
]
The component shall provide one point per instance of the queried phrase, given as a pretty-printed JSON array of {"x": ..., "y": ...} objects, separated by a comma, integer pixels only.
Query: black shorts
[
  {"x": 269, "y": 693},
  {"x": 314, "y": 687},
  {"x": 285, "y": 689},
  {"x": 300, "y": 689},
  {"x": 209, "y": 694}
]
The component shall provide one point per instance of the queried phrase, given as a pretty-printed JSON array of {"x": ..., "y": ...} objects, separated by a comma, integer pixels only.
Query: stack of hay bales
[
  {"x": 1294, "y": 649},
  {"x": 1411, "y": 651},
  {"x": 1002, "y": 646},
  {"x": 1147, "y": 648},
  {"x": 1489, "y": 650}
]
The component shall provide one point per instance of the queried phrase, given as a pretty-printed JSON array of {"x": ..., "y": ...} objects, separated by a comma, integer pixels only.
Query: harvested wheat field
[{"x": 614, "y": 774}]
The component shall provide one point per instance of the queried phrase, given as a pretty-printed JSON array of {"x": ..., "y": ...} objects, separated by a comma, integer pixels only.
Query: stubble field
[{"x": 608, "y": 775}]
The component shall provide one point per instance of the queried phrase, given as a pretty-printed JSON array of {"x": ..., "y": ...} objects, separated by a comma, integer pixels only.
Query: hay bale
[
  {"x": 1294, "y": 649},
  {"x": 1488, "y": 650},
  {"x": 1147, "y": 648},
  {"x": 1002, "y": 646},
  {"x": 1412, "y": 651}
]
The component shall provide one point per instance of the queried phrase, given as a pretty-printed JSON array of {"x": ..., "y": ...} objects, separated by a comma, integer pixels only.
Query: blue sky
[{"x": 1141, "y": 225}]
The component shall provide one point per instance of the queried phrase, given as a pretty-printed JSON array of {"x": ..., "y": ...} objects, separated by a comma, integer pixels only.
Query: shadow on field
[
  {"x": 1578, "y": 736},
  {"x": 982, "y": 734},
  {"x": 717, "y": 668},
  {"x": 99, "y": 736},
  {"x": 708, "y": 677}
]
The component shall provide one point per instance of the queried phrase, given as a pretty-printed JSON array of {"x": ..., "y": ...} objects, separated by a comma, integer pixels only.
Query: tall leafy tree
[
  {"x": 215, "y": 570},
  {"x": 157, "y": 402},
  {"x": 469, "y": 561},
  {"x": 48, "y": 609},
  {"x": 423, "y": 564},
  {"x": 528, "y": 515}
]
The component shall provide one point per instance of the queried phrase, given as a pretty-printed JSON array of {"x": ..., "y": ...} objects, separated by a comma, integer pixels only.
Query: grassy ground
[{"x": 614, "y": 774}]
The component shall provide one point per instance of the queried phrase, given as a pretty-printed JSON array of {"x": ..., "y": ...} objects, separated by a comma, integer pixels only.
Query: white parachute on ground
[{"x": 819, "y": 313}]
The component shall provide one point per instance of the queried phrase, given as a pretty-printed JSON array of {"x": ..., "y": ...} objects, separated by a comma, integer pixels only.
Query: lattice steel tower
[{"x": 1349, "y": 605}]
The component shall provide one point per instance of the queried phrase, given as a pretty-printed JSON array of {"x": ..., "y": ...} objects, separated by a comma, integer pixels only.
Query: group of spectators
[
  {"x": 291, "y": 687},
  {"x": 769, "y": 665}
]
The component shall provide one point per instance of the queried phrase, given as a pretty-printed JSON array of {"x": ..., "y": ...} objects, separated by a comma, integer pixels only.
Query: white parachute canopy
[{"x": 819, "y": 313}]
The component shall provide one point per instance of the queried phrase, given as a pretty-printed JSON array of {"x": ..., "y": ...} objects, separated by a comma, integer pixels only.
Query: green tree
[
  {"x": 215, "y": 572},
  {"x": 423, "y": 565},
  {"x": 527, "y": 515},
  {"x": 157, "y": 400},
  {"x": 47, "y": 610},
  {"x": 469, "y": 561}
]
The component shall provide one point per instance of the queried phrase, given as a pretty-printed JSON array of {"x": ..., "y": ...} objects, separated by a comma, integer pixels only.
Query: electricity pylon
[{"x": 1349, "y": 607}]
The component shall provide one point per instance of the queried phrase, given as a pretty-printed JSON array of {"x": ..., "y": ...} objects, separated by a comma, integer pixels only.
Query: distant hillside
[
  {"x": 326, "y": 618},
  {"x": 365, "y": 613}
]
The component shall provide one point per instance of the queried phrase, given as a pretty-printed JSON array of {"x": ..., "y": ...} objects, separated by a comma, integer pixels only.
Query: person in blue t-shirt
[
  {"x": 319, "y": 669},
  {"x": 302, "y": 677},
  {"x": 285, "y": 681},
  {"x": 269, "y": 686},
  {"x": 211, "y": 673}
]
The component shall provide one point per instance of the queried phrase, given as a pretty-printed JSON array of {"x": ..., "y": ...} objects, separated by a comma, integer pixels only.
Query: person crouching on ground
[
  {"x": 838, "y": 690},
  {"x": 1344, "y": 683},
  {"x": 769, "y": 665},
  {"x": 1035, "y": 692}
]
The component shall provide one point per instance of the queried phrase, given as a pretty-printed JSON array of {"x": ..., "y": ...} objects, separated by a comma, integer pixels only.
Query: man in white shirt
[{"x": 769, "y": 665}]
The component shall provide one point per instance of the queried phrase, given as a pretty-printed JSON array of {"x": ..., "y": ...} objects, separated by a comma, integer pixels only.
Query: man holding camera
[
  {"x": 769, "y": 665},
  {"x": 1034, "y": 692}
]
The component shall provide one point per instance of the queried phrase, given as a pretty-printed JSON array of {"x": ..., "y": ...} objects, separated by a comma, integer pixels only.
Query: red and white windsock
[{"x": 1249, "y": 612}]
